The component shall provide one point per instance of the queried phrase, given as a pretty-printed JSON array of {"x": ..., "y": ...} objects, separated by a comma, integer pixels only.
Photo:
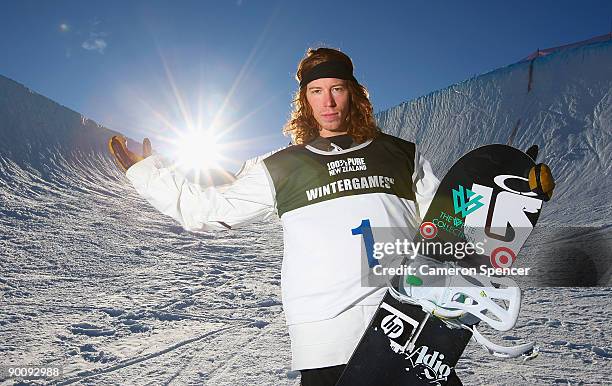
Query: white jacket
[{"x": 322, "y": 198}]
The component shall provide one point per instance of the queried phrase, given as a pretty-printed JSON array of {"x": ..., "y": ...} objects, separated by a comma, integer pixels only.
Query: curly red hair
[{"x": 303, "y": 127}]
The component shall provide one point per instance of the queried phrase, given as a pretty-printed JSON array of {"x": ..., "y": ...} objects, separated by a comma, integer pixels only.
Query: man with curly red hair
[
  {"x": 340, "y": 177},
  {"x": 308, "y": 122}
]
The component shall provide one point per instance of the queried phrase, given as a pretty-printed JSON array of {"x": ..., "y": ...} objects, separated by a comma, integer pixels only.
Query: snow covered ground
[{"x": 94, "y": 280}]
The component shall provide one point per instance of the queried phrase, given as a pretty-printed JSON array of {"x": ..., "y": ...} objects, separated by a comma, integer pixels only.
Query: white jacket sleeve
[
  {"x": 425, "y": 184},
  {"x": 248, "y": 198}
]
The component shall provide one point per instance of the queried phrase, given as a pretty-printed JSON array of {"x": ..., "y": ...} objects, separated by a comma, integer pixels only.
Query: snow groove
[{"x": 81, "y": 376}]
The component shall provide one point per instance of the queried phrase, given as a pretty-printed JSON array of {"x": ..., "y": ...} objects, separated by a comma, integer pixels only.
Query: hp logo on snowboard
[{"x": 392, "y": 326}]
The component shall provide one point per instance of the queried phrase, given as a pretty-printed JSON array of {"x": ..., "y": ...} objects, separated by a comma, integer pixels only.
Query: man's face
[{"x": 329, "y": 100}]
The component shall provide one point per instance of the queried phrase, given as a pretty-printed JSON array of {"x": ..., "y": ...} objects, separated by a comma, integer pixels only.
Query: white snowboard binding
[{"x": 462, "y": 301}]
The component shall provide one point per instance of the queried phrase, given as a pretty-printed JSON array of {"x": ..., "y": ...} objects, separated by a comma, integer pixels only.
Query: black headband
[{"x": 331, "y": 69}]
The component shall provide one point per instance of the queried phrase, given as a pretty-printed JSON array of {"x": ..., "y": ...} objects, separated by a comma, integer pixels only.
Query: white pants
[{"x": 329, "y": 342}]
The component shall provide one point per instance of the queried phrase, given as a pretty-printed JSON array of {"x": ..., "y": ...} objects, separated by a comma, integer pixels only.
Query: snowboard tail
[{"x": 408, "y": 346}]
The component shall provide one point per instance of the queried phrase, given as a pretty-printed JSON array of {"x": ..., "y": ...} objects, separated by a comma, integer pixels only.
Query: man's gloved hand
[
  {"x": 541, "y": 181},
  {"x": 117, "y": 145}
]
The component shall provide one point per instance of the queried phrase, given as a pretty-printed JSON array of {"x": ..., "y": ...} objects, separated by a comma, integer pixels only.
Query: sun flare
[{"x": 197, "y": 150}]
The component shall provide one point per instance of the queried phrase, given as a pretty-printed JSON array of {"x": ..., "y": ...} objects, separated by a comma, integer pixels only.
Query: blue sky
[{"x": 142, "y": 66}]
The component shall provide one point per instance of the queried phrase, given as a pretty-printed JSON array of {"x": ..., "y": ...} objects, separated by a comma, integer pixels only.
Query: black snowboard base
[{"x": 415, "y": 347}]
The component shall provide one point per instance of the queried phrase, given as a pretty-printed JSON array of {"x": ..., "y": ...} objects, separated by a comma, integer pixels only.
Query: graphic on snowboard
[{"x": 421, "y": 327}]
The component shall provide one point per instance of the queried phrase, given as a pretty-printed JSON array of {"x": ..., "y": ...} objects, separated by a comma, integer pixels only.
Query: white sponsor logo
[
  {"x": 346, "y": 165},
  {"x": 393, "y": 325},
  {"x": 429, "y": 366},
  {"x": 504, "y": 221},
  {"x": 347, "y": 184}
]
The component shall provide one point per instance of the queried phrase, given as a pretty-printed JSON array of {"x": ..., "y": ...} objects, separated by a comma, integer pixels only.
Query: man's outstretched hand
[{"x": 117, "y": 145}]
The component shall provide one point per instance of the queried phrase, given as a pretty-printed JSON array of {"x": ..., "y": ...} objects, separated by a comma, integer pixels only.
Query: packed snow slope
[
  {"x": 561, "y": 102},
  {"x": 567, "y": 112},
  {"x": 94, "y": 280}
]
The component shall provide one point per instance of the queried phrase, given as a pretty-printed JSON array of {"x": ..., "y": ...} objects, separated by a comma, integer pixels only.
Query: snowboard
[{"x": 484, "y": 198}]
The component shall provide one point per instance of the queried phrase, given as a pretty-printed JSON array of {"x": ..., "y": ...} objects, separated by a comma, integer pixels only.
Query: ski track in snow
[
  {"x": 118, "y": 294},
  {"x": 96, "y": 281}
]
